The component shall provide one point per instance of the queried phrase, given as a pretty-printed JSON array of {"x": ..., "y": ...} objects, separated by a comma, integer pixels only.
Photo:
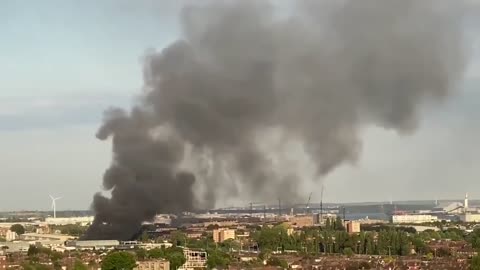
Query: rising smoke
[{"x": 315, "y": 72}]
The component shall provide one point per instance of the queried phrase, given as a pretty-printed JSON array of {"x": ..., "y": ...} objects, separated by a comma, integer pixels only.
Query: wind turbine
[{"x": 54, "y": 205}]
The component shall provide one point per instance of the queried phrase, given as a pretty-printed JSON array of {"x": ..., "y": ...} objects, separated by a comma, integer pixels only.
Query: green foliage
[
  {"x": 32, "y": 251},
  {"x": 79, "y": 265},
  {"x": 55, "y": 256},
  {"x": 339, "y": 224},
  {"x": 475, "y": 265},
  {"x": 174, "y": 255},
  {"x": 18, "y": 228},
  {"x": 178, "y": 238},
  {"x": 474, "y": 238},
  {"x": 118, "y": 260},
  {"x": 2, "y": 239},
  {"x": 156, "y": 253},
  {"x": 275, "y": 261},
  {"x": 218, "y": 259},
  {"x": 348, "y": 251},
  {"x": 71, "y": 229},
  {"x": 141, "y": 254},
  {"x": 34, "y": 266}
]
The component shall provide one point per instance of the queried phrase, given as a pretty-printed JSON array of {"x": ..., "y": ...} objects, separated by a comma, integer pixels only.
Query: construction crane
[
  {"x": 321, "y": 204},
  {"x": 308, "y": 202}
]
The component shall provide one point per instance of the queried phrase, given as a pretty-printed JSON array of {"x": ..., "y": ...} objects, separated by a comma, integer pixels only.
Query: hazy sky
[{"x": 62, "y": 62}]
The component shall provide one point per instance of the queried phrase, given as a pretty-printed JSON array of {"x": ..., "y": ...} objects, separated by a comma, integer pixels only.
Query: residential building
[
  {"x": 11, "y": 236},
  {"x": 220, "y": 235},
  {"x": 153, "y": 265},
  {"x": 3, "y": 262},
  {"x": 195, "y": 259},
  {"x": 353, "y": 226},
  {"x": 413, "y": 218}
]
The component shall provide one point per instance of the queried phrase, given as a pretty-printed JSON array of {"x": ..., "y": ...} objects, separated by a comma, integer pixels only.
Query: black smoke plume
[{"x": 314, "y": 72}]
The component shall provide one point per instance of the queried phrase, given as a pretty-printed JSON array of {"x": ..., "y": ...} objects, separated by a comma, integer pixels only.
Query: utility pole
[{"x": 251, "y": 209}]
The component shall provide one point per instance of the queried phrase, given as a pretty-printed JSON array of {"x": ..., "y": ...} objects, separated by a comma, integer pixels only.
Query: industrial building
[
  {"x": 411, "y": 218},
  {"x": 45, "y": 237},
  {"x": 220, "y": 235},
  {"x": 94, "y": 244},
  {"x": 153, "y": 265},
  {"x": 69, "y": 220}
]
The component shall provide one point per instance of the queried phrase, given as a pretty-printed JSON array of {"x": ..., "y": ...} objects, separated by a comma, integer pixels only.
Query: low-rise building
[
  {"x": 11, "y": 235},
  {"x": 195, "y": 259},
  {"x": 41, "y": 236},
  {"x": 413, "y": 218},
  {"x": 94, "y": 244},
  {"x": 220, "y": 235},
  {"x": 3, "y": 262},
  {"x": 353, "y": 226},
  {"x": 69, "y": 220},
  {"x": 153, "y": 265},
  {"x": 470, "y": 217},
  {"x": 301, "y": 221}
]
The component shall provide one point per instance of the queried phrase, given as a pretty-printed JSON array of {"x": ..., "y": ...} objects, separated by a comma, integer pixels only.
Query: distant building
[
  {"x": 94, "y": 244},
  {"x": 15, "y": 247},
  {"x": 153, "y": 265},
  {"x": 353, "y": 226},
  {"x": 40, "y": 236},
  {"x": 302, "y": 221},
  {"x": 450, "y": 208},
  {"x": 3, "y": 262},
  {"x": 11, "y": 235},
  {"x": 149, "y": 246},
  {"x": 195, "y": 259},
  {"x": 69, "y": 220},
  {"x": 469, "y": 217},
  {"x": 413, "y": 218},
  {"x": 220, "y": 235}
]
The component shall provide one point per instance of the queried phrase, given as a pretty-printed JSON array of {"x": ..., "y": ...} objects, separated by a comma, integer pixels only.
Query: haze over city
[{"x": 65, "y": 62}]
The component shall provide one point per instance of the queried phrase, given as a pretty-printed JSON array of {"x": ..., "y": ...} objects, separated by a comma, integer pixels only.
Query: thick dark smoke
[{"x": 314, "y": 72}]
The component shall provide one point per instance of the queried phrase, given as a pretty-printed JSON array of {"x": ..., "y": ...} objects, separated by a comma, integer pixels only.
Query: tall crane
[{"x": 308, "y": 202}]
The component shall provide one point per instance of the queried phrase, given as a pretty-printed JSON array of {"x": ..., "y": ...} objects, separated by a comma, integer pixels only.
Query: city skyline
[{"x": 62, "y": 73}]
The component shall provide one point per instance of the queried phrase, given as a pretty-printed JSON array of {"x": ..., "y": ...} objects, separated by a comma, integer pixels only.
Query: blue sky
[{"x": 64, "y": 61}]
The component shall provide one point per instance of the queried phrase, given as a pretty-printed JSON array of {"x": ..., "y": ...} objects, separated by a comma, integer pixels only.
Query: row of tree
[{"x": 386, "y": 241}]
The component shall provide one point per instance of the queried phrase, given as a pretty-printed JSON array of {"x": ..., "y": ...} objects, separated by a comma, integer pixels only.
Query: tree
[
  {"x": 79, "y": 265},
  {"x": 475, "y": 265},
  {"x": 141, "y": 254},
  {"x": 119, "y": 260},
  {"x": 156, "y": 253},
  {"x": 32, "y": 251},
  {"x": 18, "y": 228},
  {"x": 175, "y": 257},
  {"x": 218, "y": 259},
  {"x": 348, "y": 251},
  {"x": 339, "y": 224},
  {"x": 274, "y": 261},
  {"x": 145, "y": 237}
]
